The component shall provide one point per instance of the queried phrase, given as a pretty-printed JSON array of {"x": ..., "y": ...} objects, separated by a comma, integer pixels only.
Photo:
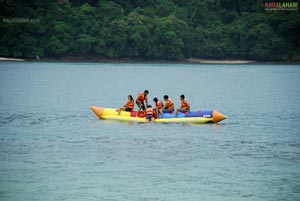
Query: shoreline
[
  {"x": 10, "y": 59},
  {"x": 138, "y": 60},
  {"x": 213, "y": 61}
]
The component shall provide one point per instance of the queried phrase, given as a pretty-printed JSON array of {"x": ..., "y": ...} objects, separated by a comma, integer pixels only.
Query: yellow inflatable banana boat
[{"x": 196, "y": 117}]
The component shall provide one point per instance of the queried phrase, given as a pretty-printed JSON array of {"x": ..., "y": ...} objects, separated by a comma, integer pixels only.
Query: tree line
[{"x": 153, "y": 29}]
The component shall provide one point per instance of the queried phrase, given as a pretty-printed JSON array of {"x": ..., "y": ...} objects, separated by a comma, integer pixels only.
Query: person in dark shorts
[
  {"x": 158, "y": 104},
  {"x": 149, "y": 113},
  {"x": 185, "y": 106},
  {"x": 168, "y": 106},
  {"x": 128, "y": 106},
  {"x": 140, "y": 99}
]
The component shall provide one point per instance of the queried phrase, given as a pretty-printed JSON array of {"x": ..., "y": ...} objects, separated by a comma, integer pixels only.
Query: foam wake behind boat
[{"x": 197, "y": 117}]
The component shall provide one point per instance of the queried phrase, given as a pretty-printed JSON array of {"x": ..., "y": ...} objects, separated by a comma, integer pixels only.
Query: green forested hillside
[{"x": 154, "y": 29}]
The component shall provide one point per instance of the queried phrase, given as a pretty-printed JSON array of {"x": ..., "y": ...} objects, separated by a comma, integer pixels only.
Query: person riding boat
[
  {"x": 141, "y": 98},
  {"x": 168, "y": 106},
  {"x": 158, "y": 104},
  {"x": 149, "y": 113},
  {"x": 185, "y": 106},
  {"x": 128, "y": 106}
]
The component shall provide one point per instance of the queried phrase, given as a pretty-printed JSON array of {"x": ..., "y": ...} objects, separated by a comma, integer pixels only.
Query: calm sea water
[{"x": 52, "y": 147}]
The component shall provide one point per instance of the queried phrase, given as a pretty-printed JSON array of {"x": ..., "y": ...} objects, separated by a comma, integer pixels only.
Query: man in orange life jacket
[
  {"x": 185, "y": 106},
  {"x": 128, "y": 106},
  {"x": 143, "y": 96},
  {"x": 168, "y": 107},
  {"x": 158, "y": 104},
  {"x": 149, "y": 113}
]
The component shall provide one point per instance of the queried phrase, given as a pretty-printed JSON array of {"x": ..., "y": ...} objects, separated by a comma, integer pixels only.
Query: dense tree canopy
[{"x": 148, "y": 29}]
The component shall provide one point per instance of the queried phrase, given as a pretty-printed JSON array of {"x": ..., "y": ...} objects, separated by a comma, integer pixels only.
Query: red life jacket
[
  {"x": 130, "y": 104},
  {"x": 159, "y": 104},
  {"x": 170, "y": 104},
  {"x": 149, "y": 111},
  {"x": 141, "y": 97},
  {"x": 184, "y": 105}
]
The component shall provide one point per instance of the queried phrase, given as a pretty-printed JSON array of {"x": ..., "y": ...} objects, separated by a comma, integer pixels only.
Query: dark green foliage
[{"x": 165, "y": 29}]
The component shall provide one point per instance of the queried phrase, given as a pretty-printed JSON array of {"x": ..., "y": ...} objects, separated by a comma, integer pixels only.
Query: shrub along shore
[{"x": 149, "y": 30}]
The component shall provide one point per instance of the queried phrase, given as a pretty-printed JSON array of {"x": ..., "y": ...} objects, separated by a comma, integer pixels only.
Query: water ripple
[{"x": 38, "y": 119}]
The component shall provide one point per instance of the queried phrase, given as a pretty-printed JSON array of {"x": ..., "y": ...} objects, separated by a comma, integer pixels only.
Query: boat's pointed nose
[
  {"x": 98, "y": 111},
  {"x": 218, "y": 116}
]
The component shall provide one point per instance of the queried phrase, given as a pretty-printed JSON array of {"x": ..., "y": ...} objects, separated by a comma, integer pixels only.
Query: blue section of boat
[
  {"x": 193, "y": 114},
  {"x": 207, "y": 114},
  {"x": 170, "y": 115}
]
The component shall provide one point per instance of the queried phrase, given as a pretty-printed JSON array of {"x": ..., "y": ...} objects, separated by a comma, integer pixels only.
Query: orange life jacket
[
  {"x": 159, "y": 104},
  {"x": 183, "y": 104},
  {"x": 149, "y": 111},
  {"x": 130, "y": 104},
  {"x": 170, "y": 104},
  {"x": 141, "y": 97}
]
